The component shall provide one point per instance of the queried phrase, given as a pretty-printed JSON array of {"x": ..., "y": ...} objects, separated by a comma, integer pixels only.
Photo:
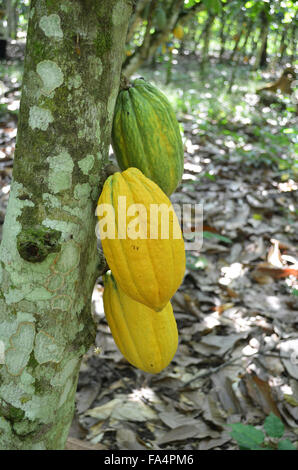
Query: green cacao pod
[
  {"x": 147, "y": 339},
  {"x": 146, "y": 135},
  {"x": 160, "y": 18}
]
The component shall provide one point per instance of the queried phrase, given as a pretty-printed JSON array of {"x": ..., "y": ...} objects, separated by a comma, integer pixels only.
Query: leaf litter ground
[{"x": 236, "y": 310}]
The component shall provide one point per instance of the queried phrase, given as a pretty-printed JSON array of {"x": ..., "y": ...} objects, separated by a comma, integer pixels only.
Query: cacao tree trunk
[{"x": 48, "y": 256}]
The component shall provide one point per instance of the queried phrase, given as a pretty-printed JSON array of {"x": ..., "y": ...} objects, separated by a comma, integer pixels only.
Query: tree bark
[
  {"x": 136, "y": 19},
  {"x": 261, "y": 57},
  {"x": 222, "y": 35},
  {"x": 236, "y": 44},
  {"x": 11, "y": 14},
  {"x": 230, "y": 19},
  {"x": 206, "y": 40},
  {"x": 293, "y": 44},
  {"x": 247, "y": 34},
  {"x": 146, "y": 40},
  {"x": 186, "y": 15},
  {"x": 282, "y": 45},
  {"x": 48, "y": 256}
]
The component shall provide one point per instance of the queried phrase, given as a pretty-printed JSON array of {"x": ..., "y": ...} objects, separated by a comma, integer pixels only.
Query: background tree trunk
[
  {"x": 136, "y": 19},
  {"x": 246, "y": 37},
  {"x": 293, "y": 44},
  {"x": 261, "y": 57},
  {"x": 238, "y": 37},
  {"x": 206, "y": 40},
  {"x": 48, "y": 257},
  {"x": 12, "y": 18},
  {"x": 222, "y": 36},
  {"x": 282, "y": 45},
  {"x": 148, "y": 49}
]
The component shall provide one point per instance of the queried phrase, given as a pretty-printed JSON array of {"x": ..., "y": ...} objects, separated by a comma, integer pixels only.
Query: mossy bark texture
[{"x": 48, "y": 256}]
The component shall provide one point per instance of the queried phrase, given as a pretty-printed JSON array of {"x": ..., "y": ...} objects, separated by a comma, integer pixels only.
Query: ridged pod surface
[
  {"x": 160, "y": 18},
  {"x": 178, "y": 32},
  {"x": 147, "y": 339},
  {"x": 148, "y": 269},
  {"x": 146, "y": 135}
]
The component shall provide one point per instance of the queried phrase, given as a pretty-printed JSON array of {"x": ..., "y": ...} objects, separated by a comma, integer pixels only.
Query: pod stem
[{"x": 125, "y": 84}]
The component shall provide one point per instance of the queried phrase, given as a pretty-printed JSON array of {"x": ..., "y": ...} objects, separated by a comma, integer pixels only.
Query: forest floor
[{"x": 236, "y": 310}]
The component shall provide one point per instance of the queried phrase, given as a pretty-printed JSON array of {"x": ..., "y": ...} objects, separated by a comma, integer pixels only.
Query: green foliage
[
  {"x": 214, "y": 6},
  {"x": 190, "y": 3},
  {"x": 247, "y": 436},
  {"x": 11, "y": 71},
  {"x": 273, "y": 426},
  {"x": 250, "y": 438},
  {"x": 286, "y": 444},
  {"x": 257, "y": 133},
  {"x": 210, "y": 235}
]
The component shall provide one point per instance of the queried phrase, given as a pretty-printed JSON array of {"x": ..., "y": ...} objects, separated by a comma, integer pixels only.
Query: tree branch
[
  {"x": 185, "y": 15},
  {"x": 133, "y": 62}
]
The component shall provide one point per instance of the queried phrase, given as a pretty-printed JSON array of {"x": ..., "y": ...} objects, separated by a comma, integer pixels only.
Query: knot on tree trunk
[{"x": 34, "y": 244}]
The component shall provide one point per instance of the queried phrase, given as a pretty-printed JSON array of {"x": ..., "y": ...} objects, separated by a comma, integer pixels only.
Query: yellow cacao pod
[
  {"x": 145, "y": 252},
  {"x": 147, "y": 339},
  {"x": 178, "y": 32}
]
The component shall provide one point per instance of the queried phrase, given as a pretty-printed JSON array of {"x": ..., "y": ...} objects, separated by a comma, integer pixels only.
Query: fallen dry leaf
[
  {"x": 122, "y": 408},
  {"x": 261, "y": 393}
]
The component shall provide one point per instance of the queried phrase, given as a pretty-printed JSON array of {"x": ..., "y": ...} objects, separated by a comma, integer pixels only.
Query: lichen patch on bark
[
  {"x": 12, "y": 227},
  {"x": 60, "y": 175},
  {"x": 86, "y": 164},
  {"x": 51, "y": 76},
  {"x": 74, "y": 82},
  {"x": 65, "y": 371},
  {"x": 69, "y": 258},
  {"x": 51, "y": 26},
  {"x": 21, "y": 345},
  {"x": 46, "y": 348},
  {"x": 55, "y": 282},
  {"x": 40, "y": 118},
  {"x": 95, "y": 66},
  {"x": 82, "y": 192}
]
